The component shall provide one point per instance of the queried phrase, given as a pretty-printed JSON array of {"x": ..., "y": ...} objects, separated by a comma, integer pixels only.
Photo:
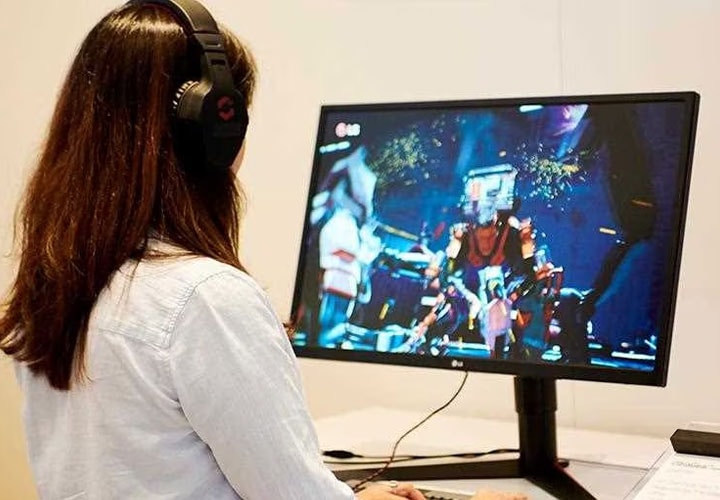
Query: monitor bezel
[{"x": 657, "y": 377}]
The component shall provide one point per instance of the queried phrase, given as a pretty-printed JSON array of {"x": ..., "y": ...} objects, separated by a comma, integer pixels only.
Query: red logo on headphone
[{"x": 226, "y": 108}]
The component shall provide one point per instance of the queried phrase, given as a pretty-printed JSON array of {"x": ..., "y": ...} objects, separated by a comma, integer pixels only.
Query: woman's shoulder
[
  {"x": 208, "y": 275},
  {"x": 186, "y": 272},
  {"x": 155, "y": 292}
]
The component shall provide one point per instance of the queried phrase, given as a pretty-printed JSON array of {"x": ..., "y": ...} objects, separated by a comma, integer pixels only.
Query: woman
[{"x": 152, "y": 365}]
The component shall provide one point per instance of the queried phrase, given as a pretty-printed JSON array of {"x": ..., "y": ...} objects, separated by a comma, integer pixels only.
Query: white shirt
[{"x": 193, "y": 393}]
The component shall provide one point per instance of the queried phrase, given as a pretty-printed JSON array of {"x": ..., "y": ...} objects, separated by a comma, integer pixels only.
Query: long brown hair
[{"x": 107, "y": 178}]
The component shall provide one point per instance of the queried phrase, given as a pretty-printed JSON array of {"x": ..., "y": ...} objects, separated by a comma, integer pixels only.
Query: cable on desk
[
  {"x": 377, "y": 459},
  {"x": 391, "y": 459}
]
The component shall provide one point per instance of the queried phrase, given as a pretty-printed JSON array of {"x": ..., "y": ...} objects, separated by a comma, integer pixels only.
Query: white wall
[{"x": 337, "y": 51}]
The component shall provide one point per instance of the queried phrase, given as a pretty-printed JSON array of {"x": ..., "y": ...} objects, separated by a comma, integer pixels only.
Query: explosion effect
[
  {"x": 398, "y": 160},
  {"x": 552, "y": 178}
]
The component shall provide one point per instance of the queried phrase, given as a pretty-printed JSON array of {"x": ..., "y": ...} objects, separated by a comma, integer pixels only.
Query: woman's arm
[{"x": 237, "y": 382}]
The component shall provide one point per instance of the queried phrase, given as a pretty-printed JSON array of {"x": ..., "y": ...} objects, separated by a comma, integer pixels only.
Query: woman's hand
[
  {"x": 383, "y": 492},
  {"x": 498, "y": 495},
  {"x": 407, "y": 490}
]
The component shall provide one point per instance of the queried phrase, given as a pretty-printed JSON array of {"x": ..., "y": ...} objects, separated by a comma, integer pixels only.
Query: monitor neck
[{"x": 536, "y": 403}]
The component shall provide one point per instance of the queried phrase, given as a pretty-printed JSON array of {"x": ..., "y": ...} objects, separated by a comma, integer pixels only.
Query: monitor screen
[{"x": 535, "y": 236}]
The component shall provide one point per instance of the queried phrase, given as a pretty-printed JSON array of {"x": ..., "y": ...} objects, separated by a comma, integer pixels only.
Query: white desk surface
[{"x": 609, "y": 465}]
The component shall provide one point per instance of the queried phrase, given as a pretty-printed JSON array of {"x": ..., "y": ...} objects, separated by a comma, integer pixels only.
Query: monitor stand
[{"x": 536, "y": 403}]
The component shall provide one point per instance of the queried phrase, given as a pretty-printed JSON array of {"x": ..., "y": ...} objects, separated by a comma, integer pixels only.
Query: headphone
[{"x": 210, "y": 116}]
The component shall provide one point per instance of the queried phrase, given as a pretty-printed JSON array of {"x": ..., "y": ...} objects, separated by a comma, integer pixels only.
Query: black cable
[
  {"x": 370, "y": 460},
  {"x": 344, "y": 454},
  {"x": 391, "y": 459},
  {"x": 367, "y": 462}
]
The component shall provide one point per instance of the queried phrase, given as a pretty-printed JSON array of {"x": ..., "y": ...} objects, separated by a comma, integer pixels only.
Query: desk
[{"x": 609, "y": 465}]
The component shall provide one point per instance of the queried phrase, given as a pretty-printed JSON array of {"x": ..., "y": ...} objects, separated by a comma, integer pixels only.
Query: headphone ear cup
[
  {"x": 187, "y": 103},
  {"x": 227, "y": 113},
  {"x": 209, "y": 126},
  {"x": 187, "y": 127}
]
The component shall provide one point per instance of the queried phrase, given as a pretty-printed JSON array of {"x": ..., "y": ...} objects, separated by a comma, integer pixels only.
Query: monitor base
[
  {"x": 553, "y": 480},
  {"x": 535, "y": 403}
]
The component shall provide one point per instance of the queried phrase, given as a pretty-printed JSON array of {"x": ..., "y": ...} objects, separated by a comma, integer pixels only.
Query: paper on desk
[{"x": 684, "y": 477}]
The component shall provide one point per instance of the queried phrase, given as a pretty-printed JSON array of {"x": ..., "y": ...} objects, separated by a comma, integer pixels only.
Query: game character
[
  {"x": 432, "y": 335},
  {"x": 492, "y": 241},
  {"x": 343, "y": 246}
]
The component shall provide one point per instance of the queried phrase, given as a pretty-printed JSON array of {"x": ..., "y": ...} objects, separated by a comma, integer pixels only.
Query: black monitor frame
[
  {"x": 657, "y": 377},
  {"x": 535, "y": 391}
]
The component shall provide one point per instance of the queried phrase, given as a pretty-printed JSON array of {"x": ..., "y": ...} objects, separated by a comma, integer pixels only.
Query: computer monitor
[{"x": 538, "y": 237}]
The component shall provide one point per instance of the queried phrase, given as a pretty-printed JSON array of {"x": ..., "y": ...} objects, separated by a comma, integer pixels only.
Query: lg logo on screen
[
  {"x": 457, "y": 364},
  {"x": 343, "y": 129}
]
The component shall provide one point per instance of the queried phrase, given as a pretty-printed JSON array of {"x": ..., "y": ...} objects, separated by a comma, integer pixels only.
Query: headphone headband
[{"x": 193, "y": 15}]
